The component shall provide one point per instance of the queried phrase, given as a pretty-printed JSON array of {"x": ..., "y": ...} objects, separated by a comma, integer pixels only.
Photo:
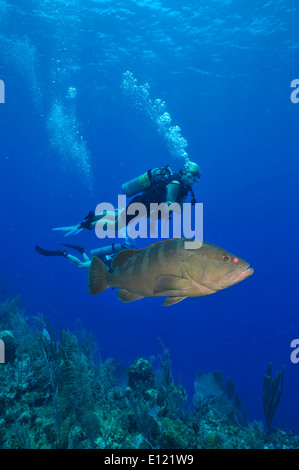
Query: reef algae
[{"x": 57, "y": 393}]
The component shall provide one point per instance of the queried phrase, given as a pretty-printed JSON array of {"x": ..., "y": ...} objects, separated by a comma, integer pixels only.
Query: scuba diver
[
  {"x": 105, "y": 253},
  {"x": 162, "y": 185},
  {"x": 156, "y": 186}
]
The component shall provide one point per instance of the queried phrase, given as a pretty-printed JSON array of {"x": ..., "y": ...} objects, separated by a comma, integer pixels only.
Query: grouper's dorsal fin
[
  {"x": 161, "y": 242},
  {"x": 122, "y": 257}
]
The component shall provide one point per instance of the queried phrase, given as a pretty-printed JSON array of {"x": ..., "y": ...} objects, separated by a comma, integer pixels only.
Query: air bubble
[{"x": 156, "y": 111}]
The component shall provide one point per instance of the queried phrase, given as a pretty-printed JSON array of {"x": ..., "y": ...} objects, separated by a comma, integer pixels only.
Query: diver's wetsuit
[
  {"x": 106, "y": 254},
  {"x": 159, "y": 193}
]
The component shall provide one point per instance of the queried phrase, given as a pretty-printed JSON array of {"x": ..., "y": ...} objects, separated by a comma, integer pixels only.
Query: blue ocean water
[{"x": 70, "y": 137}]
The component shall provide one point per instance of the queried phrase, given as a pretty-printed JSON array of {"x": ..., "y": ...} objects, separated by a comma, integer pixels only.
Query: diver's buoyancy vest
[{"x": 154, "y": 178}]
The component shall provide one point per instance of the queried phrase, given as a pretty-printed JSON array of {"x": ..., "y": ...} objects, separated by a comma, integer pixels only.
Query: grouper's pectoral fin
[
  {"x": 165, "y": 283},
  {"x": 201, "y": 287},
  {"x": 172, "y": 300},
  {"x": 126, "y": 296}
]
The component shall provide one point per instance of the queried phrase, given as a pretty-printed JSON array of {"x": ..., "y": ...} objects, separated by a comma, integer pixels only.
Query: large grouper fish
[{"x": 168, "y": 269}]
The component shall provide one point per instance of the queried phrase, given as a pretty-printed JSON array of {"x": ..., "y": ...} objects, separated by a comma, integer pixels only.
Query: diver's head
[{"x": 191, "y": 173}]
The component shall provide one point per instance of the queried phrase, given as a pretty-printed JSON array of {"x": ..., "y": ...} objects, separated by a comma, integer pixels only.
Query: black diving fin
[{"x": 44, "y": 252}]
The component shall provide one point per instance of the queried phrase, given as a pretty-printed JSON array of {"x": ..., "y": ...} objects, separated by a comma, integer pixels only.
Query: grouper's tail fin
[{"x": 97, "y": 276}]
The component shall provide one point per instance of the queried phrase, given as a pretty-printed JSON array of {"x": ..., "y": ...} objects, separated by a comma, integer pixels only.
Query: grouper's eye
[{"x": 226, "y": 258}]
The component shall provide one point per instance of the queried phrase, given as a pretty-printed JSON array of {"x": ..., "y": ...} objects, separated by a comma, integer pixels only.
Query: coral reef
[
  {"x": 58, "y": 393},
  {"x": 272, "y": 394}
]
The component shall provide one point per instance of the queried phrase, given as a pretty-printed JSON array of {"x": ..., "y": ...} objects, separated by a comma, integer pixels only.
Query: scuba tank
[
  {"x": 106, "y": 250},
  {"x": 137, "y": 185},
  {"x": 147, "y": 180}
]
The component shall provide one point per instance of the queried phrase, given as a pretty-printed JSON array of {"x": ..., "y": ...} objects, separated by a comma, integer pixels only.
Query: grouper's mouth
[{"x": 238, "y": 277}]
